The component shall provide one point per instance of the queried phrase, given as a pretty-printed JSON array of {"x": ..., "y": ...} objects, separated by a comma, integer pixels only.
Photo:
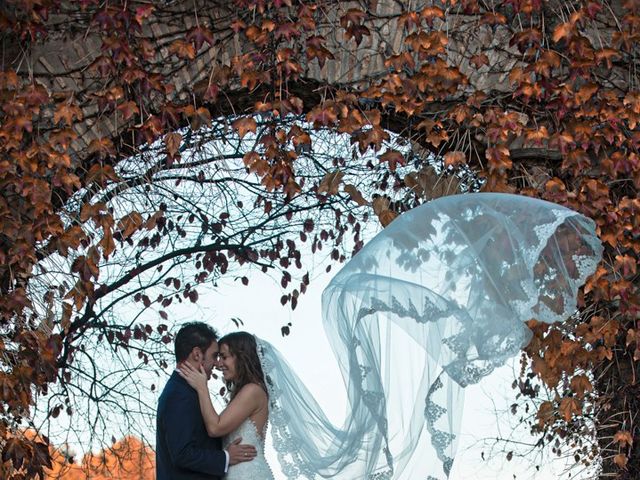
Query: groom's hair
[{"x": 191, "y": 335}]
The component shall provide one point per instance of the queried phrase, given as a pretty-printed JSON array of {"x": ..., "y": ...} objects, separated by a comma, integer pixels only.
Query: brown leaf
[
  {"x": 393, "y": 158},
  {"x": 245, "y": 125},
  {"x": 172, "y": 142},
  {"x": 568, "y": 407},
  {"x": 330, "y": 183},
  {"x": 381, "y": 209},
  {"x": 581, "y": 384},
  {"x": 129, "y": 224},
  {"x": 103, "y": 147},
  {"x": 355, "y": 195}
]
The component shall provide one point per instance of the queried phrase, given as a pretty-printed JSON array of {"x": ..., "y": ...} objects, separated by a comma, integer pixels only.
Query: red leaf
[{"x": 199, "y": 35}]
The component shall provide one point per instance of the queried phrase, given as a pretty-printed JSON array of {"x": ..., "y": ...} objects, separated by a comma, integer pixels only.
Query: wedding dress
[
  {"x": 256, "y": 469},
  {"x": 435, "y": 302}
]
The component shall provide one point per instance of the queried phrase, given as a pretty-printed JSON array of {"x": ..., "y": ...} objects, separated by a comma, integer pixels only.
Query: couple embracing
[{"x": 194, "y": 441}]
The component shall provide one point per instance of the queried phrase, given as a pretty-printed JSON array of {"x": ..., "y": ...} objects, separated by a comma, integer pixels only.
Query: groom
[{"x": 184, "y": 451}]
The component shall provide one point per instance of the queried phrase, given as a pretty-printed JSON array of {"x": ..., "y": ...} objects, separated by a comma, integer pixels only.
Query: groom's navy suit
[{"x": 184, "y": 451}]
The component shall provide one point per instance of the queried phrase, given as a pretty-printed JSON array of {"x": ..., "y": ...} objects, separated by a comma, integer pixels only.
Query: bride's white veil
[{"x": 433, "y": 303}]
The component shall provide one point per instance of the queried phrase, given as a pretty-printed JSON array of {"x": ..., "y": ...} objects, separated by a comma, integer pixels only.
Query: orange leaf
[
  {"x": 453, "y": 159},
  {"x": 563, "y": 30},
  {"x": 182, "y": 49},
  {"x": 621, "y": 460},
  {"x": 479, "y": 60},
  {"x": 101, "y": 173},
  {"x": 245, "y": 125},
  {"x": 581, "y": 384},
  {"x": 623, "y": 437},
  {"x": 353, "y": 16},
  {"x": 381, "y": 209},
  {"x": 499, "y": 158},
  {"x": 128, "y": 109},
  {"x": 67, "y": 111},
  {"x": 545, "y": 413},
  {"x": 255, "y": 163}
]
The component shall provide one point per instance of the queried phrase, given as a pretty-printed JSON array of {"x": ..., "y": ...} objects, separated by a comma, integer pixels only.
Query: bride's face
[{"x": 227, "y": 363}]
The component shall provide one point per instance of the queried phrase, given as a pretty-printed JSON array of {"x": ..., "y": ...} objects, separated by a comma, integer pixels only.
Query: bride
[
  {"x": 248, "y": 410},
  {"x": 434, "y": 303}
]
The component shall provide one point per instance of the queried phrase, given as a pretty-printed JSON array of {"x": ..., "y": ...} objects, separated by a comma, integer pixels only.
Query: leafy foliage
[{"x": 539, "y": 98}]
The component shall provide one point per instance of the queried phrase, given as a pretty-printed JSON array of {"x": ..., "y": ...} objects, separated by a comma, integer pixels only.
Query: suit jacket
[{"x": 184, "y": 451}]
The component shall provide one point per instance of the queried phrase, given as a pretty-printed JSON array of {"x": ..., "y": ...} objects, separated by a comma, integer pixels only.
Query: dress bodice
[{"x": 258, "y": 468}]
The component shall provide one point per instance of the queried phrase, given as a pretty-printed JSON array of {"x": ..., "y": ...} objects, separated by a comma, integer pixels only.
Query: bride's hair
[{"x": 242, "y": 345}]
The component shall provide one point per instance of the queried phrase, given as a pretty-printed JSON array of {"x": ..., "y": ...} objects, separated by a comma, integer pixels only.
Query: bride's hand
[{"x": 194, "y": 377}]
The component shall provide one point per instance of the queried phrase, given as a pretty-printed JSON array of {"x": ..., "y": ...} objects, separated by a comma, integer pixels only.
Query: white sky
[
  {"x": 486, "y": 412},
  {"x": 485, "y": 415}
]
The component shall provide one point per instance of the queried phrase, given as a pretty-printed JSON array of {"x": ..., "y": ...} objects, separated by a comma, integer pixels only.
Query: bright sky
[{"x": 486, "y": 413}]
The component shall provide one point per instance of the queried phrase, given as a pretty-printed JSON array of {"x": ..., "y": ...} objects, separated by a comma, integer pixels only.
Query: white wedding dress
[{"x": 256, "y": 469}]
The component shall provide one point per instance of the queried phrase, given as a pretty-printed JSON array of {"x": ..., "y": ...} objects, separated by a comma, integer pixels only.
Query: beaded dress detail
[{"x": 256, "y": 469}]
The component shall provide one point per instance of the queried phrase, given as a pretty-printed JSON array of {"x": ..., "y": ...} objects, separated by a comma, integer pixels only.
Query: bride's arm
[{"x": 245, "y": 403}]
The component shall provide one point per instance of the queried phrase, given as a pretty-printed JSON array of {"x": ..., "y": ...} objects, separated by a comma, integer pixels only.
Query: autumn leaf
[
  {"x": 128, "y": 109},
  {"x": 172, "y": 142},
  {"x": 103, "y": 147},
  {"x": 143, "y": 12},
  {"x": 626, "y": 264},
  {"x": 182, "y": 49},
  {"x": 569, "y": 406},
  {"x": 245, "y": 125},
  {"x": 393, "y": 158},
  {"x": 499, "y": 159},
  {"x": 322, "y": 116},
  {"x": 621, "y": 460},
  {"x": 479, "y": 60},
  {"x": 581, "y": 384},
  {"x": 198, "y": 36},
  {"x": 563, "y": 31},
  {"x": 454, "y": 159},
  {"x": 353, "y": 16},
  {"x": 381, "y": 209},
  {"x": 623, "y": 437},
  {"x": 330, "y": 183},
  {"x": 355, "y": 195},
  {"x": 199, "y": 117},
  {"x": 255, "y": 163},
  {"x": 129, "y": 224},
  {"x": 430, "y": 13},
  {"x": 67, "y": 111},
  {"x": 100, "y": 174}
]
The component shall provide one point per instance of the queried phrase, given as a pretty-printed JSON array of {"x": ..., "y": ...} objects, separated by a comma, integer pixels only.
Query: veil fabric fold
[{"x": 432, "y": 304}]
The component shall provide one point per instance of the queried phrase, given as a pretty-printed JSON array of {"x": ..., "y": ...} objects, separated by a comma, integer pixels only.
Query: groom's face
[{"x": 210, "y": 358}]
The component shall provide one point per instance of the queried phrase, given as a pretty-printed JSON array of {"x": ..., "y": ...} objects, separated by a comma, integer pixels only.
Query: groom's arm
[{"x": 180, "y": 431}]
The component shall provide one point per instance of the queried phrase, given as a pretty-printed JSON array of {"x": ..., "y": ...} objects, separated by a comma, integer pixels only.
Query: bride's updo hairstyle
[{"x": 242, "y": 346}]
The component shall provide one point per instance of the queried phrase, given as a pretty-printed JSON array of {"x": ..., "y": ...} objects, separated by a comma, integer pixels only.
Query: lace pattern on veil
[{"x": 434, "y": 303}]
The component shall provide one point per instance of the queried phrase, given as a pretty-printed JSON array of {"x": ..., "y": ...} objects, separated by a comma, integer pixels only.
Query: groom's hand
[{"x": 240, "y": 453}]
